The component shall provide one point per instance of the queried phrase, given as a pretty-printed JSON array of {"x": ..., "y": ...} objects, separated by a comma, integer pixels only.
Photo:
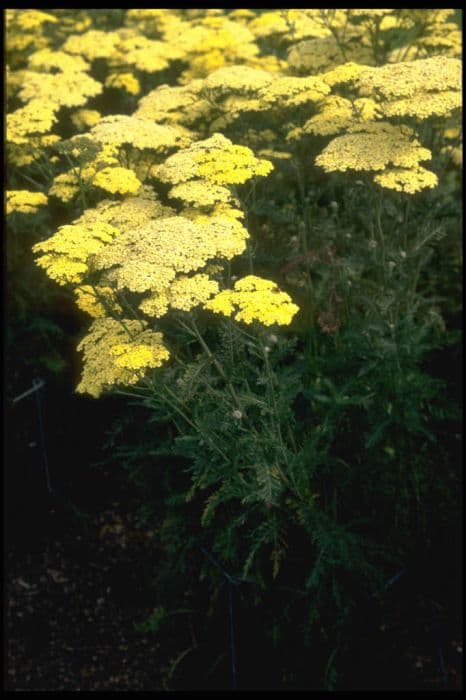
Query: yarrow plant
[{"x": 246, "y": 204}]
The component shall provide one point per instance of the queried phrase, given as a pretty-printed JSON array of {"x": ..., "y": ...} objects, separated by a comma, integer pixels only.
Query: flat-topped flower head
[
  {"x": 291, "y": 91},
  {"x": 373, "y": 146},
  {"x": 84, "y": 119},
  {"x": 120, "y": 129},
  {"x": 67, "y": 252},
  {"x": 289, "y": 25},
  {"x": 68, "y": 89},
  {"x": 117, "y": 180},
  {"x": 144, "y": 54},
  {"x": 236, "y": 79},
  {"x": 423, "y": 105},
  {"x": 255, "y": 299},
  {"x": 406, "y": 79},
  {"x": 49, "y": 61},
  {"x": 118, "y": 354},
  {"x": 24, "y": 201},
  {"x": 35, "y": 118},
  {"x": 93, "y": 44},
  {"x": 338, "y": 114},
  {"x": 150, "y": 257},
  {"x": 201, "y": 193},
  {"x": 313, "y": 56},
  {"x": 173, "y": 104},
  {"x": 128, "y": 213},
  {"x": 409, "y": 180},
  {"x": 127, "y": 82},
  {"x": 217, "y": 160},
  {"x": 28, "y": 20},
  {"x": 184, "y": 293}
]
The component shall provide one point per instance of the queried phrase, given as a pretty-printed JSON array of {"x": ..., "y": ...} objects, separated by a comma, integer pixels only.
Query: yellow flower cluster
[
  {"x": 414, "y": 88},
  {"x": 230, "y": 76},
  {"x": 150, "y": 257},
  {"x": 93, "y": 44},
  {"x": 117, "y": 180},
  {"x": 102, "y": 170},
  {"x": 177, "y": 104},
  {"x": 313, "y": 56},
  {"x": 339, "y": 114},
  {"x": 293, "y": 92},
  {"x": 200, "y": 193},
  {"x": 67, "y": 252},
  {"x": 118, "y": 353},
  {"x": 235, "y": 80},
  {"x": 70, "y": 88},
  {"x": 209, "y": 43},
  {"x": 85, "y": 118},
  {"x": 33, "y": 119},
  {"x": 216, "y": 160},
  {"x": 59, "y": 62},
  {"x": 409, "y": 180},
  {"x": 120, "y": 129},
  {"x": 145, "y": 54},
  {"x": 185, "y": 293},
  {"x": 25, "y": 30},
  {"x": 255, "y": 299},
  {"x": 124, "y": 81},
  {"x": 24, "y": 202},
  {"x": 372, "y": 147},
  {"x": 128, "y": 213},
  {"x": 286, "y": 25}
]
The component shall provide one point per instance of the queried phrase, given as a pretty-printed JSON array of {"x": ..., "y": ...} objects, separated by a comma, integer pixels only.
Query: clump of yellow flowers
[
  {"x": 255, "y": 299},
  {"x": 118, "y": 352},
  {"x": 24, "y": 201},
  {"x": 159, "y": 191}
]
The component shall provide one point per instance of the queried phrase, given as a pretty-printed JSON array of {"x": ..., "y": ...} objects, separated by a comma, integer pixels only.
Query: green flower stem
[
  {"x": 278, "y": 431},
  {"x": 274, "y": 403},
  {"x": 82, "y": 194},
  {"x": 131, "y": 308},
  {"x": 215, "y": 362},
  {"x": 335, "y": 34},
  {"x": 34, "y": 182},
  {"x": 189, "y": 421},
  {"x": 156, "y": 391},
  {"x": 304, "y": 248}
]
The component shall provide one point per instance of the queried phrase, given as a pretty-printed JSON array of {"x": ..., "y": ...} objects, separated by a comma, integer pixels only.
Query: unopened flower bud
[
  {"x": 237, "y": 414},
  {"x": 273, "y": 339}
]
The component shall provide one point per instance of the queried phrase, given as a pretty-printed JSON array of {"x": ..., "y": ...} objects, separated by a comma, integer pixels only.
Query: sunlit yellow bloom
[
  {"x": 118, "y": 354},
  {"x": 117, "y": 180},
  {"x": 24, "y": 201},
  {"x": 255, "y": 299}
]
